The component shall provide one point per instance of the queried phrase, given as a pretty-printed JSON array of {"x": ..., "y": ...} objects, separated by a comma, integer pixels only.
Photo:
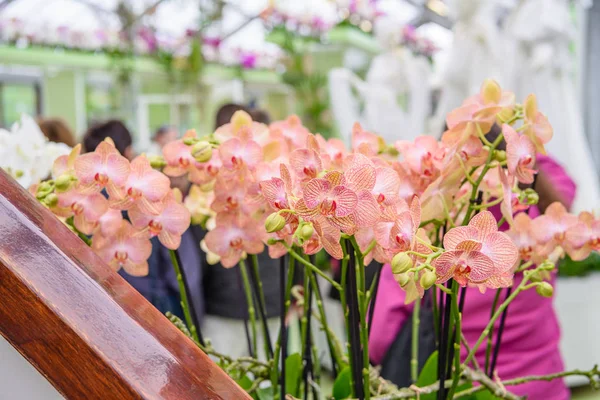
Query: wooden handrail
[{"x": 81, "y": 325}]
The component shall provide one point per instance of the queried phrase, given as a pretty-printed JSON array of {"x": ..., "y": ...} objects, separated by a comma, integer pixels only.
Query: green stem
[
  {"x": 286, "y": 306},
  {"x": 456, "y": 315},
  {"x": 436, "y": 322},
  {"x": 262, "y": 304},
  {"x": 344, "y": 285},
  {"x": 475, "y": 187},
  {"x": 488, "y": 350},
  {"x": 185, "y": 304},
  {"x": 256, "y": 272},
  {"x": 250, "y": 301},
  {"x": 323, "y": 317},
  {"x": 414, "y": 359},
  {"x": 314, "y": 268},
  {"x": 304, "y": 321},
  {"x": 362, "y": 311}
]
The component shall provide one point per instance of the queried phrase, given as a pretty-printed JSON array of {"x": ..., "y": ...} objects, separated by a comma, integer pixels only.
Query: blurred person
[
  {"x": 160, "y": 286},
  {"x": 114, "y": 129},
  {"x": 225, "y": 300},
  {"x": 162, "y": 136},
  {"x": 57, "y": 130}
]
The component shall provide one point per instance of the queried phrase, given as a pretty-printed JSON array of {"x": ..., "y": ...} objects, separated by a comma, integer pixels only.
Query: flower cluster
[
  {"x": 26, "y": 154},
  {"x": 426, "y": 206},
  {"x": 96, "y": 189},
  {"x": 284, "y": 187}
]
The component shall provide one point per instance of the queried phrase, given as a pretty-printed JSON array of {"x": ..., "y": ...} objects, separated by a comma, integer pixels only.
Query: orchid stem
[
  {"x": 414, "y": 359},
  {"x": 250, "y": 301},
  {"x": 183, "y": 292},
  {"x": 313, "y": 268}
]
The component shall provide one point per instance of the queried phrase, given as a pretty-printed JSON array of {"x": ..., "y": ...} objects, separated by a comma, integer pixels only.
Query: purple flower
[{"x": 248, "y": 60}]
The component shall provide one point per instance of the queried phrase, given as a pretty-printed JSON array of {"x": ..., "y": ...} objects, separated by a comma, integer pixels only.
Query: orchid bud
[
  {"x": 189, "y": 141},
  {"x": 402, "y": 279},
  {"x": 544, "y": 289},
  {"x": 44, "y": 189},
  {"x": 157, "y": 162},
  {"x": 401, "y": 263},
  {"x": 500, "y": 155},
  {"x": 274, "y": 223},
  {"x": 428, "y": 279},
  {"x": 19, "y": 173},
  {"x": 535, "y": 276},
  {"x": 532, "y": 196},
  {"x": 63, "y": 183},
  {"x": 202, "y": 152},
  {"x": 306, "y": 231},
  {"x": 547, "y": 265},
  {"x": 51, "y": 200}
]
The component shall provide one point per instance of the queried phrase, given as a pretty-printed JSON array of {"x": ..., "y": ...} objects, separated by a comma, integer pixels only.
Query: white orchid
[{"x": 26, "y": 154}]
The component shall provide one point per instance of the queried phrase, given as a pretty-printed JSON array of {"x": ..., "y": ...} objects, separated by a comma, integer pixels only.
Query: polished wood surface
[{"x": 81, "y": 325}]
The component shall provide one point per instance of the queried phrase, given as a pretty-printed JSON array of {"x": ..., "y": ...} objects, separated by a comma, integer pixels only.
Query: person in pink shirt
[{"x": 530, "y": 342}]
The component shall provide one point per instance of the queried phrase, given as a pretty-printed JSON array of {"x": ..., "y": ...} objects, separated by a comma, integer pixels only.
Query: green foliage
[
  {"x": 264, "y": 394},
  {"x": 568, "y": 267},
  {"x": 342, "y": 388},
  {"x": 245, "y": 382},
  {"x": 310, "y": 86},
  {"x": 429, "y": 376},
  {"x": 293, "y": 374}
]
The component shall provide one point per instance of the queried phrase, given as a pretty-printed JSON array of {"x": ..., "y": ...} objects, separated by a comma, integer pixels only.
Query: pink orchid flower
[
  {"x": 241, "y": 151},
  {"x": 366, "y": 143},
  {"x": 275, "y": 192},
  {"x": 65, "y": 164},
  {"x": 241, "y": 124},
  {"x": 178, "y": 156},
  {"x": 128, "y": 249},
  {"x": 329, "y": 236},
  {"x": 344, "y": 199},
  {"x": 103, "y": 168},
  {"x": 478, "y": 113},
  {"x": 305, "y": 163},
  {"x": 145, "y": 187},
  {"x": 396, "y": 230},
  {"x": 520, "y": 155},
  {"x": 233, "y": 237},
  {"x": 583, "y": 237},
  {"x": 292, "y": 131},
  {"x": 205, "y": 172},
  {"x": 387, "y": 186},
  {"x": 333, "y": 152},
  {"x": 538, "y": 129},
  {"x": 550, "y": 229},
  {"x": 506, "y": 207},
  {"x": 476, "y": 253},
  {"x": 110, "y": 222},
  {"x": 330, "y": 198},
  {"x": 521, "y": 233},
  {"x": 169, "y": 225},
  {"x": 86, "y": 209},
  {"x": 236, "y": 194},
  {"x": 419, "y": 154}
]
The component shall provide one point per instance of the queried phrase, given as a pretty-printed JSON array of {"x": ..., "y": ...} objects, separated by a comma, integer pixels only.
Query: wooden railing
[{"x": 81, "y": 325}]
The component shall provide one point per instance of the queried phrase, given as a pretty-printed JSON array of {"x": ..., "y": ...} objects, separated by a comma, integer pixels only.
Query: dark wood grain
[{"x": 81, "y": 325}]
